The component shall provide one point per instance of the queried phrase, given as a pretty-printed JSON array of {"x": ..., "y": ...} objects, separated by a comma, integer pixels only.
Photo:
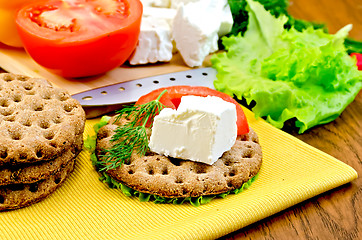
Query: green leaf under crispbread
[{"x": 145, "y": 197}]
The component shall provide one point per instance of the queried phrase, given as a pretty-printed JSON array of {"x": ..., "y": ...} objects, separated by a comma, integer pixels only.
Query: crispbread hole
[
  {"x": 10, "y": 118},
  {"x": 46, "y": 94},
  {"x": 68, "y": 107},
  {"x": 49, "y": 135},
  {"x": 38, "y": 107},
  {"x": 3, "y": 152},
  {"x": 200, "y": 168},
  {"x": 4, "y": 102},
  {"x": 15, "y": 135},
  {"x": 165, "y": 170},
  {"x": 22, "y": 78},
  {"x": 8, "y": 77},
  {"x": 17, "y": 98},
  {"x": 62, "y": 96},
  {"x": 28, "y": 86},
  {"x": 6, "y": 111}
]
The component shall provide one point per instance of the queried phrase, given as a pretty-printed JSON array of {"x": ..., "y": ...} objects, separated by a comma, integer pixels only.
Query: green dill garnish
[{"x": 131, "y": 136}]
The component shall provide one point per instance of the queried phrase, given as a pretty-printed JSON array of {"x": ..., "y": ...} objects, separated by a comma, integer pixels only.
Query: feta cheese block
[
  {"x": 167, "y": 14},
  {"x": 227, "y": 20},
  {"x": 156, "y": 3},
  {"x": 154, "y": 42},
  {"x": 195, "y": 29},
  {"x": 176, "y": 3},
  {"x": 201, "y": 129}
]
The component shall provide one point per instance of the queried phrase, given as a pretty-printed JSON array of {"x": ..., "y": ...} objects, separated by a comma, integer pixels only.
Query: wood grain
[
  {"x": 336, "y": 214},
  {"x": 335, "y": 13}
]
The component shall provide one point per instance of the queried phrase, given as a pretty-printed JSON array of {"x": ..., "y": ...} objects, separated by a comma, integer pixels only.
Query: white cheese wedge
[
  {"x": 156, "y": 3},
  {"x": 154, "y": 42},
  {"x": 201, "y": 129},
  {"x": 196, "y": 28},
  {"x": 167, "y": 14},
  {"x": 227, "y": 20},
  {"x": 146, "y": 3},
  {"x": 176, "y": 3}
]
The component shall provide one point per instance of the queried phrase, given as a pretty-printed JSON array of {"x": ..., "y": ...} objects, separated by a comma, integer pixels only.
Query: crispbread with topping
[
  {"x": 170, "y": 177},
  {"x": 37, "y": 121}
]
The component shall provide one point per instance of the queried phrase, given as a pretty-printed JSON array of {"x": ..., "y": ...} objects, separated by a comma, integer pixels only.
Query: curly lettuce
[
  {"x": 306, "y": 76},
  {"x": 146, "y": 197},
  {"x": 90, "y": 141},
  {"x": 277, "y": 8}
]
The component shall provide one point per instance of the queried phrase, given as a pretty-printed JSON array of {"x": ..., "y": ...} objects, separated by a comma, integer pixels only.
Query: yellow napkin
[{"x": 85, "y": 208}]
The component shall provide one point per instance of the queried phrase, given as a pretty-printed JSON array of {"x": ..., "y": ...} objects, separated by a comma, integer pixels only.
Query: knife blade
[{"x": 110, "y": 98}]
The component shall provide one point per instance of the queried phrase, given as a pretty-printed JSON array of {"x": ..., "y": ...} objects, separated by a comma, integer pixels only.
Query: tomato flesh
[
  {"x": 358, "y": 57},
  {"x": 172, "y": 99},
  {"x": 80, "y": 38}
]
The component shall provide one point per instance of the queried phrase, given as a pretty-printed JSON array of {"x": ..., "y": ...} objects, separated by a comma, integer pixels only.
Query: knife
[{"x": 106, "y": 99}]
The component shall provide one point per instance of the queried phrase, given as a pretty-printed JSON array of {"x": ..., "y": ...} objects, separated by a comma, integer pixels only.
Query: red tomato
[
  {"x": 359, "y": 60},
  {"x": 79, "y": 38},
  {"x": 172, "y": 99}
]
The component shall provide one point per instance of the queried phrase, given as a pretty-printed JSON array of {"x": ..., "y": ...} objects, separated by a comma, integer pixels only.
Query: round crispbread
[
  {"x": 21, "y": 195},
  {"x": 30, "y": 173},
  {"x": 37, "y": 121},
  {"x": 170, "y": 177}
]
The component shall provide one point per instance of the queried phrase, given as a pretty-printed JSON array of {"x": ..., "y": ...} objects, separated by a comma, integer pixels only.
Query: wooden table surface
[{"x": 336, "y": 214}]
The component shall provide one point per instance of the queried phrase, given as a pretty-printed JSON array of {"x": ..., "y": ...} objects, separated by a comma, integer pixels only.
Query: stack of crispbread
[{"x": 41, "y": 133}]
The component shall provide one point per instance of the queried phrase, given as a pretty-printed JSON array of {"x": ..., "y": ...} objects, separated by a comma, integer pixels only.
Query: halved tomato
[
  {"x": 79, "y": 38},
  {"x": 172, "y": 99}
]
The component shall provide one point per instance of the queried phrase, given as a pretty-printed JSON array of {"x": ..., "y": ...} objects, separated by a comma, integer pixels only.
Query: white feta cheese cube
[
  {"x": 201, "y": 129},
  {"x": 156, "y": 3},
  {"x": 227, "y": 20},
  {"x": 167, "y": 14},
  {"x": 196, "y": 28},
  {"x": 176, "y": 3},
  {"x": 154, "y": 42}
]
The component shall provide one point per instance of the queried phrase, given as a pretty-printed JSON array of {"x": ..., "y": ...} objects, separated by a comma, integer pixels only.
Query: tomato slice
[
  {"x": 79, "y": 38},
  {"x": 172, "y": 99},
  {"x": 358, "y": 57}
]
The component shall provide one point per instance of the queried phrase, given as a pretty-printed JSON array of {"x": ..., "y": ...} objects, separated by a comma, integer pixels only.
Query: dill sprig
[{"x": 131, "y": 136}]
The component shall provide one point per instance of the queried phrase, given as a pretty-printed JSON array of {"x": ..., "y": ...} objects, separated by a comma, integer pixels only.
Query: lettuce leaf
[
  {"x": 277, "y": 8},
  {"x": 240, "y": 15},
  {"x": 145, "y": 197},
  {"x": 91, "y": 141},
  {"x": 307, "y": 76}
]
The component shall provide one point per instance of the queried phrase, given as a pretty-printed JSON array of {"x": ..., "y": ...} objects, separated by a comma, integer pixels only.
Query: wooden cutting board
[{"x": 16, "y": 60}]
